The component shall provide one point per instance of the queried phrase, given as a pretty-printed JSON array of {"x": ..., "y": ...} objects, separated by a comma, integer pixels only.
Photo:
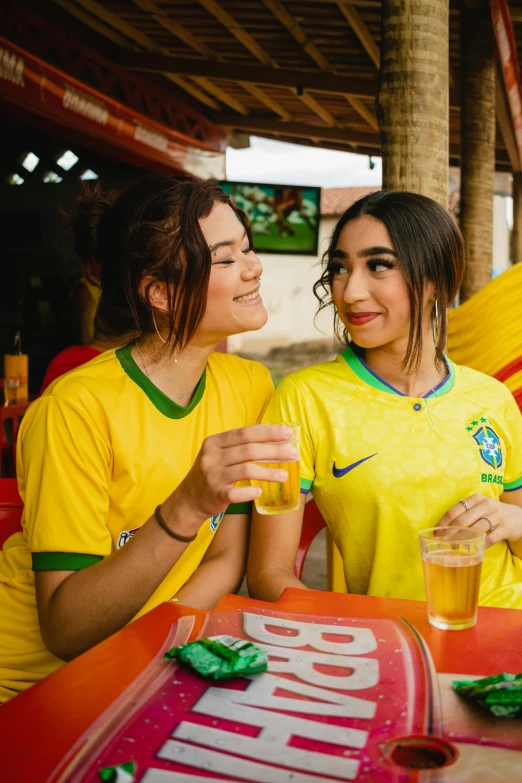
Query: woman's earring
[
  {"x": 435, "y": 325},
  {"x": 156, "y": 328},
  {"x": 159, "y": 335}
]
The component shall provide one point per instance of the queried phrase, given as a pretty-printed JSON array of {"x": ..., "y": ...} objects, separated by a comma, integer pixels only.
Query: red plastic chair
[
  {"x": 313, "y": 523},
  {"x": 11, "y": 508}
]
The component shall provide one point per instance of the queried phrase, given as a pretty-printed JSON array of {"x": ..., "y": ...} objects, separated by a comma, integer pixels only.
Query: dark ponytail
[{"x": 93, "y": 206}]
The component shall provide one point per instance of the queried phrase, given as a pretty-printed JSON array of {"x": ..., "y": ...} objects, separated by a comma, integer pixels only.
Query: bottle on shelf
[{"x": 16, "y": 373}]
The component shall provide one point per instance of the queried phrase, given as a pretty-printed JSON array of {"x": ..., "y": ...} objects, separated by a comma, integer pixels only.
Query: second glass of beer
[
  {"x": 452, "y": 562},
  {"x": 277, "y": 497}
]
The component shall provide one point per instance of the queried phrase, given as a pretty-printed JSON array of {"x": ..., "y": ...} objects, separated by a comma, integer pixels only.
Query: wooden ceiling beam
[
  {"x": 295, "y": 29},
  {"x": 195, "y": 43},
  {"x": 118, "y": 24},
  {"x": 298, "y": 129},
  {"x": 351, "y": 15},
  {"x": 177, "y": 29},
  {"x": 93, "y": 23},
  {"x": 237, "y": 31},
  {"x": 346, "y": 137},
  {"x": 319, "y": 81},
  {"x": 242, "y": 35},
  {"x": 269, "y": 102},
  {"x": 222, "y": 95},
  {"x": 363, "y": 111},
  {"x": 316, "y": 107}
]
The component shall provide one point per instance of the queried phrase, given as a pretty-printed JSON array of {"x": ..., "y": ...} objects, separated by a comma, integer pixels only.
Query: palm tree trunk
[
  {"x": 413, "y": 100},
  {"x": 477, "y": 133}
]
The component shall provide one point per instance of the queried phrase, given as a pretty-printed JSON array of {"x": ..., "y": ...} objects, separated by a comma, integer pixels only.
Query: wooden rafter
[
  {"x": 318, "y": 81},
  {"x": 316, "y": 107},
  {"x": 363, "y": 111},
  {"x": 298, "y": 130},
  {"x": 295, "y": 29},
  {"x": 186, "y": 36},
  {"x": 221, "y": 95},
  {"x": 118, "y": 24},
  {"x": 242, "y": 35},
  {"x": 239, "y": 32},
  {"x": 93, "y": 23},
  {"x": 195, "y": 43},
  {"x": 261, "y": 96},
  {"x": 352, "y": 16}
]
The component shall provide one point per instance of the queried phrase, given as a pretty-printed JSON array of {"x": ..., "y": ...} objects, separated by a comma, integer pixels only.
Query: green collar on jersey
[
  {"x": 160, "y": 401},
  {"x": 361, "y": 369}
]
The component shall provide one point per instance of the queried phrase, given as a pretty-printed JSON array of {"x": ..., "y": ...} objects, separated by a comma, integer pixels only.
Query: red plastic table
[{"x": 38, "y": 727}]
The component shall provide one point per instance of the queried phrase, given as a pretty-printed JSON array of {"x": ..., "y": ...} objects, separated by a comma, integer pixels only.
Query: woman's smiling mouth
[
  {"x": 249, "y": 297},
  {"x": 359, "y": 319}
]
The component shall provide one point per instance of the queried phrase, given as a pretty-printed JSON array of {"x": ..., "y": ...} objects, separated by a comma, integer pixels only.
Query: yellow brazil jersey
[
  {"x": 96, "y": 454},
  {"x": 381, "y": 466}
]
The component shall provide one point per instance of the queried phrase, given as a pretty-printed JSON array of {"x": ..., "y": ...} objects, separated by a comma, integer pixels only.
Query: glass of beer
[
  {"x": 452, "y": 562},
  {"x": 277, "y": 497}
]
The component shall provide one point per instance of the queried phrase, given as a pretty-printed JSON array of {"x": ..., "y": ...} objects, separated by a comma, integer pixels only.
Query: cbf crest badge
[
  {"x": 488, "y": 442},
  {"x": 215, "y": 520}
]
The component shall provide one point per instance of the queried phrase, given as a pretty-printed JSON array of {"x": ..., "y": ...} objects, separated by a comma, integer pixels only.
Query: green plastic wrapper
[
  {"x": 120, "y": 773},
  {"x": 500, "y": 694},
  {"x": 221, "y": 657}
]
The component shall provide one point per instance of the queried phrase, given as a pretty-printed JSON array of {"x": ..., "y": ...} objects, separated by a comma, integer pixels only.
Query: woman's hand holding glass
[
  {"x": 500, "y": 521},
  {"x": 226, "y": 459}
]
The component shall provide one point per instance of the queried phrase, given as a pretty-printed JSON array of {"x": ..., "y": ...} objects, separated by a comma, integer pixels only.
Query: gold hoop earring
[{"x": 435, "y": 324}]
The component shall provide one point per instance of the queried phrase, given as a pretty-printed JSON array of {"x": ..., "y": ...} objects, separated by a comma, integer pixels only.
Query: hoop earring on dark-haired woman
[{"x": 435, "y": 325}]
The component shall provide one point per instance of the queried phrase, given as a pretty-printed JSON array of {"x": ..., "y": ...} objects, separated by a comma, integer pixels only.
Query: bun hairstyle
[
  {"x": 149, "y": 230},
  {"x": 430, "y": 248}
]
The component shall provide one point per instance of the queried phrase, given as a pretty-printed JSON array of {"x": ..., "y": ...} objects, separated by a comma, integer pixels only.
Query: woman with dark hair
[
  {"x": 394, "y": 436},
  {"x": 133, "y": 467}
]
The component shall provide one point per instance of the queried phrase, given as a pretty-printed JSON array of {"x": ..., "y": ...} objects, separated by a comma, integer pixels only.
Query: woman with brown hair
[
  {"x": 394, "y": 436},
  {"x": 132, "y": 467}
]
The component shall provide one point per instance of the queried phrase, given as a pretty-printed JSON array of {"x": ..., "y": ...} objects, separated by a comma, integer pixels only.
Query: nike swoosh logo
[{"x": 340, "y": 472}]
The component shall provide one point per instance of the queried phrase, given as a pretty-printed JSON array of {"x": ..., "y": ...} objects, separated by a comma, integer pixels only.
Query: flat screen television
[{"x": 284, "y": 218}]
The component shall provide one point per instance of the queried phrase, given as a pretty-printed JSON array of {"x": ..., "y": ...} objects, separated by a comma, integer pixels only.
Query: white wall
[
  {"x": 501, "y": 254},
  {"x": 286, "y": 288}
]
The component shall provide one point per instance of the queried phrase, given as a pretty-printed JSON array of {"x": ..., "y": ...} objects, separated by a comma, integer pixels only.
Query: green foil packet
[
  {"x": 120, "y": 773},
  {"x": 500, "y": 694},
  {"x": 221, "y": 657}
]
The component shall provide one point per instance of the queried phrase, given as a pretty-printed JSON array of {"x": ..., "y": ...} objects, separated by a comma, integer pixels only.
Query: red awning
[
  {"x": 33, "y": 85},
  {"x": 507, "y": 51}
]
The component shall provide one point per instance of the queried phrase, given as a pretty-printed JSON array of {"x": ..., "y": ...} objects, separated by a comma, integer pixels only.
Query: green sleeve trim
[
  {"x": 306, "y": 485},
  {"x": 62, "y": 561},
  {"x": 510, "y": 486},
  {"x": 239, "y": 508}
]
